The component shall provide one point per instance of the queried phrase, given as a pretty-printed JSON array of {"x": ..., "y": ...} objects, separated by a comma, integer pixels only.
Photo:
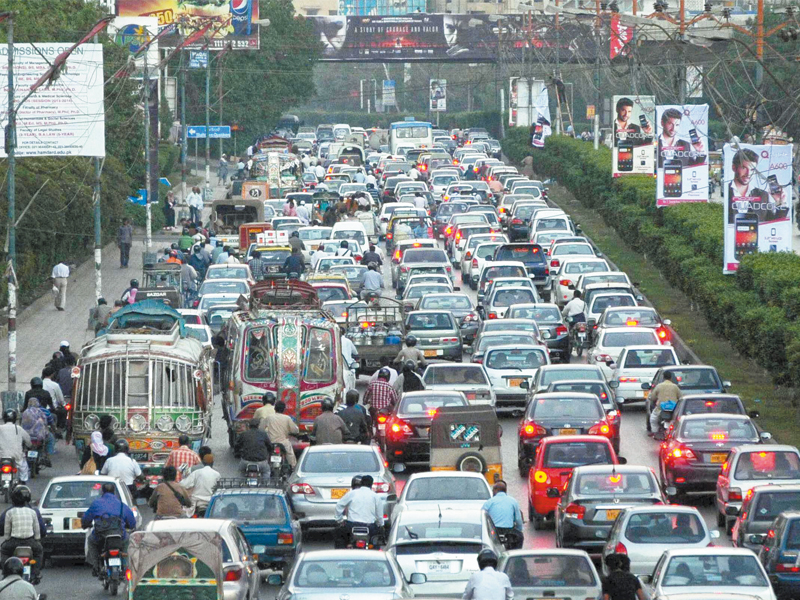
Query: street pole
[
  {"x": 598, "y": 99},
  {"x": 184, "y": 139},
  {"x": 208, "y": 124},
  {"x": 147, "y": 174},
  {"x": 760, "y": 44},
  {"x": 11, "y": 141},
  {"x": 98, "y": 237},
  {"x": 219, "y": 95}
]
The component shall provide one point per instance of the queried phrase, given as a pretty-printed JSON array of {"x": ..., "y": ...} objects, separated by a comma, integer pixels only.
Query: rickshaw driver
[{"x": 506, "y": 515}]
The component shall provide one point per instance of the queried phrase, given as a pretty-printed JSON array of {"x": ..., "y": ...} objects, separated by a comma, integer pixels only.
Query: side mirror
[
  {"x": 639, "y": 298},
  {"x": 418, "y": 578},
  {"x": 391, "y": 498},
  {"x": 671, "y": 491},
  {"x": 667, "y": 322},
  {"x": 553, "y": 492},
  {"x": 524, "y": 385},
  {"x": 611, "y": 364},
  {"x": 275, "y": 579},
  {"x": 613, "y": 384},
  {"x": 757, "y": 538},
  {"x": 714, "y": 533},
  {"x": 622, "y": 460},
  {"x": 732, "y": 511},
  {"x": 754, "y": 414},
  {"x": 456, "y": 289},
  {"x": 599, "y": 255},
  {"x": 726, "y": 384},
  {"x": 646, "y": 386},
  {"x": 765, "y": 436}
]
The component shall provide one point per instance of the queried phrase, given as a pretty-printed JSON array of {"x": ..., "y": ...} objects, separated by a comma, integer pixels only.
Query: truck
[{"x": 377, "y": 331}]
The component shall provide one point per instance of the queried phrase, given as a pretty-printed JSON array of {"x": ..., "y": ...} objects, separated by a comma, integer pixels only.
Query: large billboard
[
  {"x": 233, "y": 21},
  {"x": 634, "y": 135},
  {"x": 682, "y": 169},
  {"x": 65, "y": 117},
  {"x": 757, "y": 188}
]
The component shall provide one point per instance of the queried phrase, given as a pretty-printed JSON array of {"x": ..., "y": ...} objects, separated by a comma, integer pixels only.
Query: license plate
[
  {"x": 139, "y": 456},
  {"x": 6, "y": 477},
  {"x": 381, "y": 426},
  {"x": 372, "y": 363},
  {"x": 581, "y": 336},
  {"x": 718, "y": 457},
  {"x": 611, "y": 515},
  {"x": 26, "y": 570},
  {"x": 33, "y": 453},
  {"x": 275, "y": 459},
  {"x": 423, "y": 432},
  {"x": 114, "y": 562},
  {"x": 515, "y": 382},
  {"x": 567, "y": 432},
  {"x": 428, "y": 353},
  {"x": 646, "y": 394},
  {"x": 439, "y": 567},
  {"x": 75, "y": 524},
  {"x": 337, "y": 493}
]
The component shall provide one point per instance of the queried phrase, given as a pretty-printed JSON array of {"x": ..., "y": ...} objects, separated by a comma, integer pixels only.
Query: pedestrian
[
  {"x": 169, "y": 211},
  {"x": 124, "y": 242},
  {"x": 621, "y": 584},
  {"x": 183, "y": 458},
  {"x": 60, "y": 275},
  {"x": 169, "y": 499},
  {"x": 222, "y": 171},
  {"x": 240, "y": 168},
  {"x": 100, "y": 315},
  {"x": 488, "y": 584},
  {"x": 195, "y": 202}
]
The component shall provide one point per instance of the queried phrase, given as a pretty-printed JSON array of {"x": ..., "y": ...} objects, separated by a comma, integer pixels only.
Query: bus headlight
[
  {"x": 183, "y": 423},
  {"x": 137, "y": 423},
  {"x": 164, "y": 424},
  {"x": 91, "y": 422}
]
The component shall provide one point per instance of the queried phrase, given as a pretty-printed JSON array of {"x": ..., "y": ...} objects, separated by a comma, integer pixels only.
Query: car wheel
[
  {"x": 538, "y": 523},
  {"x": 531, "y": 513},
  {"x": 566, "y": 357},
  {"x": 471, "y": 461},
  {"x": 729, "y": 526}
]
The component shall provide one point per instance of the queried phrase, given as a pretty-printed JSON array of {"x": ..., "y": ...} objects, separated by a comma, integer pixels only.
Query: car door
[
  {"x": 724, "y": 477},
  {"x": 246, "y": 558}
]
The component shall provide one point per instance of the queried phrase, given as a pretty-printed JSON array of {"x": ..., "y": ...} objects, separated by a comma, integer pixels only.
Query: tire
[
  {"x": 469, "y": 461},
  {"x": 531, "y": 513},
  {"x": 524, "y": 468},
  {"x": 720, "y": 520},
  {"x": 114, "y": 587},
  {"x": 566, "y": 358},
  {"x": 538, "y": 523},
  {"x": 579, "y": 351},
  {"x": 231, "y": 437},
  {"x": 7, "y": 494}
]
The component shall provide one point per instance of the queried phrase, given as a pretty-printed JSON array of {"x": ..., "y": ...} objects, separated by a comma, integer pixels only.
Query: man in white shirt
[
  {"x": 122, "y": 466},
  {"x": 350, "y": 356},
  {"x": 420, "y": 202},
  {"x": 59, "y": 276},
  {"x": 413, "y": 173},
  {"x": 364, "y": 507},
  {"x": 202, "y": 482},
  {"x": 371, "y": 179},
  {"x": 488, "y": 584},
  {"x": 319, "y": 171},
  {"x": 575, "y": 310},
  {"x": 302, "y": 212},
  {"x": 360, "y": 177}
]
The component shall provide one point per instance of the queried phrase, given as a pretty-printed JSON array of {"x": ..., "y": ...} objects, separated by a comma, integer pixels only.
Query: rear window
[
  {"x": 417, "y": 291},
  {"x": 665, "y": 528},
  {"x": 549, "y": 571},
  {"x": 552, "y": 375},
  {"x": 430, "y": 321},
  {"x": 589, "y": 387},
  {"x": 769, "y": 505},
  {"x": 555, "y": 408},
  {"x": 227, "y": 273},
  {"x": 714, "y": 571},
  {"x": 468, "y": 374},
  {"x": 556, "y": 223},
  {"x": 604, "y": 302},
  {"x": 447, "y": 488},
  {"x": 584, "y": 267},
  {"x": 422, "y": 405},
  {"x": 446, "y": 302},
  {"x": 696, "y": 379},
  {"x": 767, "y": 465},
  {"x": 631, "y": 318},
  {"x": 485, "y": 250},
  {"x": 516, "y": 359},
  {"x": 438, "y": 530},
  {"x": 468, "y": 232},
  {"x": 545, "y": 314},
  {"x": 576, "y": 454},
  {"x": 607, "y": 278},
  {"x": 527, "y": 253},
  {"x": 648, "y": 359},
  {"x": 506, "y": 325},
  {"x": 717, "y": 430},
  {"x": 702, "y": 406},
  {"x": 327, "y": 294},
  {"x": 417, "y": 255},
  {"x": 451, "y": 208},
  {"x": 570, "y": 249},
  {"x": 628, "y": 338},
  {"x": 340, "y": 462},
  {"x": 249, "y": 507},
  {"x": 504, "y": 271},
  {"x": 512, "y": 297},
  {"x": 487, "y": 341},
  {"x": 615, "y": 484},
  {"x": 344, "y": 573}
]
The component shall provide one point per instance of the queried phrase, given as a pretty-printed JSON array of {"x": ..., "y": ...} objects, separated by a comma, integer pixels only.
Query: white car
[
  {"x": 230, "y": 272},
  {"x": 545, "y": 238},
  {"x": 502, "y": 297},
  {"x": 568, "y": 273},
  {"x": 413, "y": 293},
  {"x": 619, "y": 277},
  {"x": 232, "y": 287},
  {"x": 311, "y": 238},
  {"x": 469, "y": 378},
  {"x": 637, "y": 365},
  {"x": 440, "y": 182},
  {"x": 483, "y": 253},
  {"x": 508, "y": 367},
  {"x": 612, "y": 341},
  {"x": 566, "y": 250},
  {"x": 324, "y": 264},
  {"x": 473, "y": 242},
  {"x": 644, "y": 532},
  {"x": 709, "y": 573},
  {"x": 564, "y": 572},
  {"x": 426, "y": 491},
  {"x": 338, "y": 308}
]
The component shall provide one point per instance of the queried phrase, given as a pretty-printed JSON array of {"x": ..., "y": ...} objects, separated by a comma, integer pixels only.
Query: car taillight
[
  {"x": 285, "y": 538},
  {"x": 620, "y": 548},
  {"x": 474, "y": 263},
  {"x": 389, "y": 235},
  {"x": 734, "y": 495},
  {"x": 565, "y": 282},
  {"x": 492, "y": 315},
  {"x": 555, "y": 263},
  {"x": 380, "y": 488},
  {"x": 358, "y": 258},
  {"x": 449, "y": 269},
  {"x": 302, "y": 488},
  {"x": 448, "y": 231},
  {"x": 628, "y": 379},
  {"x": 233, "y": 574},
  {"x": 476, "y": 169},
  {"x": 399, "y": 428},
  {"x": 547, "y": 272},
  {"x": 662, "y": 333},
  {"x": 128, "y": 574},
  {"x": 600, "y": 429},
  {"x": 541, "y": 477},
  {"x": 468, "y": 255},
  {"x": 787, "y": 568},
  {"x": 502, "y": 209},
  {"x": 196, "y": 303},
  {"x": 397, "y": 255},
  {"x": 68, "y": 407},
  {"x": 516, "y": 221},
  {"x": 602, "y": 358},
  {"x": 404, "y": 269},
  {"x": 613, "y": 415},
  {"x": 533, "y": 429},
  {"x": 575, "y": 510},
  {"x": 684, "y": 453},
  {"x": 561, "y": 330}
]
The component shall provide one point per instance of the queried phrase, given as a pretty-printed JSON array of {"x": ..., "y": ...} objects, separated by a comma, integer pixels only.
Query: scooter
[
  {"x": 9, "y": 478},
  {"x": 112, "y": 557},
  {"x": 25, "y": 554},
  {"x": 36, "y": 458}
]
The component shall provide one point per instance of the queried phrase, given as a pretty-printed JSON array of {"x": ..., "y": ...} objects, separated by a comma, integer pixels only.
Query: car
[
  {"x": 232, "y": 287},
  {"x": 697, "y": 447},
  {"x": 645, "y": 532},
  {"x": 323, "y": 475},
  {"x": 209, "y": 301},
  {"x": 413, "y": 293},
  {"x": 637, "y": 365},
  {"x": 610, "y": 344},
  {"x": 492, "y": 339},
  {"x": 553, "y": 220},
  {"x": 452, "y": 236},
  {"x": 483, "y": 253},
  {"x": 778, "y": 553},
  {"x": 387, "y": 210},
  {"x": 693, "y": 380},
  {"x": 469, "y": 378},
  {"x": 599, "y": 301},
  {"x": 558, "y": 413},
  {"x": 427, "y": 490},
  {"x": 421, "y": 257},
  {"x": 494, "y": 269},
  {"x": 443, "y": 213},
  {"x": 508, "y": 367},
  {"x": 338, "y": 308},
  {"x": 400, "y": 249},
  {"x": 709, "y": 573},
  {"x": 567, "y": 249},
  {"x": 701, "y": 404},
  {"x": 519, "y": 219},
  {"x": 490, "y": 212},
  {"x": 241, "y": 577},
  {"x": 406, "y": 435},
  {"x": 438, "y": 335},
  {"x": 511, "y": 326},
  {"x": 328, "y": 291},
  {"x": 630, "y": 316},
  {"x": 440, "y": 182},
  {"x": 552, "y": 373},
  {"x": 555, "y": 458},
  {"x": 539, "y": 573},
  {"x": 417, "y": 538},
  {"x": 604, "y": 392},
  {"x": 430, "y": 278},
  {"x": 324, "y": 264},
  {"x": 552, "y": 328},
  {"x": 749, "y": 466},
  {"x": 531, "y": 256},
  {"x": 226, "y": 271},
  {"x": 461, "y": 237},
  {"x": 461, "y": 306},
  {"x": 603, "y": 277},
  {"x": 502, "y": 298},
  {"x": 567, "y": 274},
  {"x": 506, "y": 282},
  {"x": 761, "y": 505},
  {"x": 264, "y": 516},
  {"x": 217, "y": 315},
  {"x": 356, "y": 574},
  {"x": 469, "y": 249}
]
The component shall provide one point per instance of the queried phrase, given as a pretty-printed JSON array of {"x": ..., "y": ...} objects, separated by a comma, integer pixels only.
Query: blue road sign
[
  {"x": 198, "y": 59},
  {"x": 140, "y": 199},
  {"x": 165, "y": 181},
  {"x": 215, "y": 131}
]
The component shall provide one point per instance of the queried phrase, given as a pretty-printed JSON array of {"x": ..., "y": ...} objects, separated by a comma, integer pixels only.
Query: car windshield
[
  {"x": 717, "y": 430},
  {"x": 713, "y": 571},
  {"x": 597, "y": 388},
  {"x": 631, "y": 318},
  {"x": 665, "y": 528},
  {"x": 447, "y": 488},
  {"x": 567, "y": 408},
  {"x": 504, "y": 271},
  {"x": 560, "y": 374},
  {"x": 427, "y": 405},
  {"x": 330, "y": 461},
  {"x": 561, "y": 455},
  {"x": 439, "y": 530},
  {"x": 516, "y": 359},
  {"x": 444, "y": 179},
  {"x": 224, "y": 287},
  {"x": 510, "y": 339},
  {"x": 460, "y": 375},
  {"x": 419, "y": 255},
  {"x": 417, "y": 291},
  {"x": 603, "y": 302},
  {"x": 314, "y": 234},
  {"x": 344, "y": 573},
  {"x": 770, "y": 504},
  {"x": 265, "y": 508},
  {"x": 227, "y": 273},
  {"x": 430, "y": 321},
  {"x": 649, "y": 359},
  {"x": 629, "y": 338},
  {"x": 550, "y": 571},
  {"x": 696, "y": 379},
  {"x": 618, "y": 277},
  {"x": 73, "y": 494},
  {"x": 328, "y": 293},
  {"x": 709, "y": 405},
  {"x": 770, "y": 465},
  {"x": 615, "y": 484},
  {"x": 526, "y": 253},
  {"x": 510, "y": 297},
  {"x": 447, "y": 302}
]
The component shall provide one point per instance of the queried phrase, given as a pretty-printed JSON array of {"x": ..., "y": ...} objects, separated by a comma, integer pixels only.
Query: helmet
[
  {"x": 12, "y": 566},
  {"x": 269, "y": 398},
  {"x": 134, "y": 283},
  {"x": 20, "y": 495},
  {"x": 410, "y": 365},
  {"x": 384, "y": 373},
  {"x": 121, "y": 446},
  {"x": 174, "y": 246},
  {"x": 343, "y": 244},
  {"x": 109, "y": 488},
  {"x": 37, "y": 382},
  {"x": 327, "y": 405},
  {"x": 373, "y": 266},
  {"x": 295, "y": 234},
  {"x": 411, "y": 340},
  {"x": 10, "y": 416},
  {"x": 487, "y": 558}
]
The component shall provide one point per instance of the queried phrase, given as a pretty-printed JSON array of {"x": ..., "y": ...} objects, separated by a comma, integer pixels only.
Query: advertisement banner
[
  {"x": 682, "y": 170},
  {"x": 621, "y": 36},
  {"x": 234, "y": 21},
  {"x": 66, "y": 117},
  {"x": 634, "y": 135},
  {"x": 513, "y": 101},
  {"x": 134, "y": 32},
  {"x": 438, "y": 95},
  {"x": 757, "y": 188},
  {"x": 541, "y": 128},
  {"x": 389, "y": 97}
]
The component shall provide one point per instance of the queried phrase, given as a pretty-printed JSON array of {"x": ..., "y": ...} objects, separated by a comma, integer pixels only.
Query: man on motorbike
[
  {"x": 294, "y": 263},
  {"x": 380, "y": 394},
  {"x": 13, "y": 439},
  {"x": 371, "y": 256},
  {"x": 488, "y": 584},
  {"x": 408, "y": 380},
  {"x": 364, "y": 508},
  {"x": 13, "y": 586},
  {"x": 373, "y": 281},
  {"x": 21, "y": 528},
  {"x": 123, "y": 466},
  {"x": 202, "y": 482},
  {"x": 110, "y": 516},
  {"x": 279, "y": 427},
  {"x": 575, "y": 310},
  {"x": 254, "y": 446},
  {"x": 328, "y": 428},
  {"x": 356, "y": 420},
  {"x": 665, "y": 391},
  {"x": 506, "y": 515},
  {"x": 411, "y": 353}
]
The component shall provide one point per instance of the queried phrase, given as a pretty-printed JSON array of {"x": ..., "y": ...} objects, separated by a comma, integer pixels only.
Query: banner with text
[
  {"x": 757, "y": 185},
  {"x": 634, "y": 135},
  {"x": 66, "y": 117},
  {"x": 682, "y": 170}
]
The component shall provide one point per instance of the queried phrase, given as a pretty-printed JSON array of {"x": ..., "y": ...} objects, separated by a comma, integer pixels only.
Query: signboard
[
  {"x": 389, "y": 96},
  {"x": 590, "y": 111},
  {"x": 214, "y": 132},
  {"x": 438, "y": 95},
  {"x": 134, "y": 32},
  {"x": 65, "y": 118},
  {"x": 255, "y": 190},
  {"x": 634, "y": 135},
  {"x": 380, "y": 7},
  {"x": 682, "y": 169},
  {"x": 198, "y": 59},
  {"x": 234, "y": 21},
  {"x": 757, "y": 189},
  {"x": 541, "y": 127}
]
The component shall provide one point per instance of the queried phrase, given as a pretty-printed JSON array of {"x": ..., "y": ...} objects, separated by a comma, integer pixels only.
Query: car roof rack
[{"x": 228, "y": 483}]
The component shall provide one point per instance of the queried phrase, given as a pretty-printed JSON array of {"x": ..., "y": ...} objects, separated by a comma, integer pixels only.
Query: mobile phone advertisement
[
  {"x": 634, "y": 135},
  {"x": 757, "y": 187},
  {"x": 682, "y": 154}
]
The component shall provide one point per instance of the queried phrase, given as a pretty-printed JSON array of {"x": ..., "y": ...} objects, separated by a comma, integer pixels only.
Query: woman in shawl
[
  {"x": 35, "y": 421},
  {"x": 97, "y": 449}
]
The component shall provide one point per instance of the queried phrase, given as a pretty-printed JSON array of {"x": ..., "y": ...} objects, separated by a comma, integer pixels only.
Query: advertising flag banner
[
  {"x": 389, "y": 97},
  {"x": 541, "y": 128},
  {"x": 634, "y": 135},
  {"x": 438, "y": 97},
  {"x": 682, "y": 169},
  {"x": 757, "y": 188},
  {"x": 65, "y": 117},
  {"x": 621, "y": 36}
]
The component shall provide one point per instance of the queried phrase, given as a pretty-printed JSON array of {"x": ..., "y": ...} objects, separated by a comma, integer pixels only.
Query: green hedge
[{"x": 756, "y": 309}]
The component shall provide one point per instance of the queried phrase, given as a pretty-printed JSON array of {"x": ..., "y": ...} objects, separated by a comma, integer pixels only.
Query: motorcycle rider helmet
[
  {"x": 174, "y": 246},
  {"x": 10, "y": 416},
  {"x": 134, "y": 283},
  {"x": 20, "y": 495},
  {"x": 12, "y": 566},
  {"x": 411, "y": 341},
  {"x": 121, "y": 446},
  {"x": 327, "y": 405},
  {"x": 487, "y": 558},
  {"x": 384, "y": 373},
  {"x": 295, "y": 234},
  {"x": 410, "y": 365},
  {"x": 372, "y": 266},
  {"x": 37, "y": 382},
  {"x": 269, "y": 398}
]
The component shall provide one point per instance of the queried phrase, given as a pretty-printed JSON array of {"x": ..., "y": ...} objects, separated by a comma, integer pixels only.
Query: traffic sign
[
  {"x": 215, "y": 131},
  {"x": 198, "y": 59}
]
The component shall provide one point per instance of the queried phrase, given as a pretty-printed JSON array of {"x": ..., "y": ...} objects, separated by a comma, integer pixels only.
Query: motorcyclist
[
  {"x": 373, "y": 281},
  {"x": 506, "y": 515},
  {"x": 665, "y": 391},
  {"x": 109, "y": 516},
  {"x": 123, "y": 466},
  {"x": 380, "y": 394},
  {"x": 329, "y": 428},
  {"x": 13, "y": 440},
  {"x": 410, "y": 352},
  {"x": 254, "y": 446},
  {"x": 42, "y": 395},
  {"x": 13, "y": 586},
  {"x": 344, "y": 249},
  {"x": 21, "y": 527},
  {"x": 296, "y": 242},
  {"x": 364, "y": 508},
  {"x": 575, "y": 310},
  {"x": 488, "y": 584},
  {"x": 371, "y": 256},
  {"x": 355, "y": 419},
  {"x": 129, "y": 295},
  {"x": 408, "y": 380},
  {"x": 294, "y": 263}
]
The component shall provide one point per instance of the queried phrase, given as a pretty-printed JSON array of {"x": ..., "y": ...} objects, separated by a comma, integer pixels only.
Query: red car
[{"x": 555, "y": 458}]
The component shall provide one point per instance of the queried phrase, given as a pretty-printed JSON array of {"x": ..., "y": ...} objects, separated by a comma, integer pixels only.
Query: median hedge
[{"x": 756, "y": 309}]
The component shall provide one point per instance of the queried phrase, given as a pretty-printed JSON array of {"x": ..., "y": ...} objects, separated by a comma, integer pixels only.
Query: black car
[
  {"x": 553, "y": 329},
  {"x": 600, "y": 389},
  {"x": 530, "y": 255},
  {"x": 406, "y": 431}
]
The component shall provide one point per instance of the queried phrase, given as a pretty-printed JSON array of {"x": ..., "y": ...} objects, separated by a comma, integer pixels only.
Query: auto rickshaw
[{"x": 467, "y": 438}]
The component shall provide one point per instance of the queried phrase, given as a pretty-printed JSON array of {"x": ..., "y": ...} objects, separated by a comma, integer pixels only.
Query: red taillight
[
  {"x": 620, "y": 548},
  {"x": 502, "y": 209},
  {"x": 602, "y": 358},
  {"x": 382, "y": 418},
  {"x": 361, "y": 544},
  {"x": 474, "y": 263},
  {"x": 285, "y": 538},
  {"x": 734, "y": 495},
  {"x": 575, "y": 510},
  {"x": 233, "y": 574},
  {"x": 628, "y": 379},
  {"x": 565, "y": 282},
  {"x": 381, "y": 487},
  {"x": 555, "y": 263},
  {"x": 532, "y": 429},
  {"x": 561, "y": 330},
  {"x": 662, "y": 333},
  {"x": 547, "y": 271},
  {"x": 600, "y": 429},
  {"x": 540, "y": 477},
  {"x": 516, "y": 221},
  {"x": 684, "y": 453},
  {"x": 492, "y": 315},
  {"x": 399, "y": 428},
  {"x": 389, "y": 235},
  {"x": 449, "y": 230},
  {"x": 787, "y": 568},
  {"x": 128, "y": 574},
  {"x": 113, "y": 552},
  {"x": 7, "y": 469},
  {"x": 196, "y": 303},
  {"x": 68, "y": 407},
  {"x": 302, "y": 488}
]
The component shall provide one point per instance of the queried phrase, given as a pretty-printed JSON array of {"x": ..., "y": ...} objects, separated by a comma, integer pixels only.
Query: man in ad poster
[
  {"x": 438, "y": 96},
  {"x": 633, "y": 135},
  {"x": 682, "y": 172},
  {"x": 758, "y": 200}
]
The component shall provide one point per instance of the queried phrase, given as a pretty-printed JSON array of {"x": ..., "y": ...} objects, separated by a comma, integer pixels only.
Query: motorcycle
[
  {"x": 360, "y": 538},
  {"x": 252, "y": 474},
  {"x": 111, "y": 572},
  {"x": 9, "y": 478},
  {"x": 281, "y": 469},
  {"x": 664, "y": 420},
  {"x": 580, "y": 337},
  {"x": 511, "y": 539},
  {"x": 36, "y": 458},
  {"x": 372, "y": 298},
  {"x": 25, "y": 554}
]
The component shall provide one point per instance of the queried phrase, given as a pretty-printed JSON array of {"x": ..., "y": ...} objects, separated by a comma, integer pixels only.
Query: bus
[{"x": 415, "y": 134}]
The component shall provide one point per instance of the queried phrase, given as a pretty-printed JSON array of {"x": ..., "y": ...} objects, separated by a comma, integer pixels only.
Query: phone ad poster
[
  {"x": 682, "y": 142},
  {"x": 634, "y": 135},
  {"x": 757, "y": 187}
]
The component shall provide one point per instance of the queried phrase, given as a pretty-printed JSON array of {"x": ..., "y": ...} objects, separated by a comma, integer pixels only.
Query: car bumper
[
  {"x": 276, "y": 556},
  {"x": 542, "y": 505},
  {"x": 722, "y": 507},
  {"x": 576, "y": 534},
  {"x": 509, "y": 399},
  {"x": 785, "y": 584},
  {"x": 409, "y": 452},
  {"x": 442, "y": 352},
  {"x": 469, "y": 332},
  {"x": 629, "y": 393},
  {"x": 516, "y": 232},
  {"x": 65, "y": 544},
  {"x": 687, "y": 478},
  {"x": 558, "y": 347}
]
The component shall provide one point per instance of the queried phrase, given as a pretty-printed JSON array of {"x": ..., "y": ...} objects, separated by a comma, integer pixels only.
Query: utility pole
[
  {"x": 11, "y": 142},
  {"x": 184, "y": 138},
  {"x": 98, "y": 237},
  {"x": 147, "y": 174},
  {"x": 598, "y": 97},
  {"x": 208, "y": 121}
]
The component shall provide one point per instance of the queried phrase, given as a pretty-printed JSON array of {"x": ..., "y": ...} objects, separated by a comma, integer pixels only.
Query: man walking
[
  {"x": 59, "y": 276},
  {"x": 125, "y": 241}
]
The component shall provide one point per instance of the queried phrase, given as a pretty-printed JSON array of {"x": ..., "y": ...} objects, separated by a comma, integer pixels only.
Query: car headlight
[
  {"x": 164, "y": 424},
  {"x": 91, "y": 422},
  {"x": 137, "y": 423},
  {"x": 183, "y": 423}
]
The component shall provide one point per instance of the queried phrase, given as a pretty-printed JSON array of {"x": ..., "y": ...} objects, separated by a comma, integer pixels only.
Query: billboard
[
  {"x": 389, "y": 97},
  {"x": 438, "y": 95},
  {"x": 66, "y": 117},
  {"x": 541, "y": 128},
  {"x": 682, "y": 169},
  {"x": 134, "y": 32},
  {"x": 757, "y": 188},
  {"x": 634, "y": 138},
  {"x": 380, "y": 7},
  {"x": 234, "y": 21}
]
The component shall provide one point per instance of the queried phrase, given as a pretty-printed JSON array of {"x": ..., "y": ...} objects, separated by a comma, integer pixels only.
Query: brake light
[
  {"x": 399, "y": 428},
  {"x": 233, "y": 574},
  {"x": 113, "y": 552},
  {"x": 476, "y": 169},
  {"x": 492, "y": 315},
  {"x": 458, "y": 235},
  {"x": 449, "y": 230},
  {"x": 600, "y": 429},
  {"x": 684, "y": 453},
  {"x": 734, "y": 495},
  {"x": 662, "y": 333},
  {"x": 7, "y": 469},
  {"x": 404, "y": 269},
  {"x": 540, "y": 477},
  {"x": 516, "y": 221},
  {"x": 381, "y": 488},
  {"x": 302, "y": 488},
  {"x": 397, "y": 255},
  {"x": 382, "y": 418},
  {"x": 68, "y": 407},
  {"x": 628, "y": 379},
  {"x": 787, "y": 568},
  {"x": 502, "y": 209},
  {"x": 561, "y": 330},
  {"x": 602, "y": 358},
  {"x": 547, "y": 271},
  {"x": 389, "y": 235},
  {"x": 474, "y": 263},
  {"x": 532, "y": 429},
  {"x": 632, "y": 323},
  {"x": 575, "y": 510},
  {"x": 620, "y": 548},
  {"x": 555, "y": 263},
  {"x": 718, "y": 436},
  {"x": 128, "y": 574},
  {"x": 449, "y": 340}
]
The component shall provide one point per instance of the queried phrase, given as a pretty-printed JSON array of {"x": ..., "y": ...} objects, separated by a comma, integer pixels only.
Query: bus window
[
  {"x": 257, "y": 360},
  {"x": 319, "y": 367}
]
